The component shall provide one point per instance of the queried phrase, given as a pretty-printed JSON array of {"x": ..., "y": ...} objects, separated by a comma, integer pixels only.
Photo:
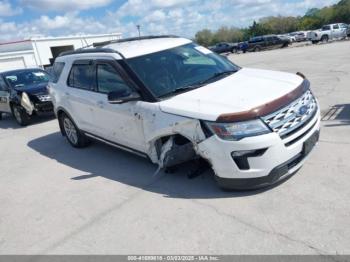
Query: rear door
[
  {"x": 336, "y": 32},
  {"x": 80, "y": 94},
  {"x": 269, "y": 42},
  {"x": 4, "y": 97}
]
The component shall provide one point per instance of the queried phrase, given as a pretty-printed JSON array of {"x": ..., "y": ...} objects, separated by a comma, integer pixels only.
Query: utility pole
[{"x": 139, "y": 29}]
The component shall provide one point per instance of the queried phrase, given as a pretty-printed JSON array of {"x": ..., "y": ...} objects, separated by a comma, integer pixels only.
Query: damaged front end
[
  {"x": 176, "y": 144},
  {"x": 26, "y": 103},
  {"x": 176, "y": 150}
]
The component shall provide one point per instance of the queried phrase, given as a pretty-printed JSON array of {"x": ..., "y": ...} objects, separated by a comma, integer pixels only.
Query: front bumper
[
  {"x": 280, "y": 158},
  {"x": 43, "y": 107}
]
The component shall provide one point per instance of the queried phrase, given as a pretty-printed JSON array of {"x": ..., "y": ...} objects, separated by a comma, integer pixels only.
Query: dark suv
[
  {"x": 224, "y": 48},
  {"x": 23, "y": 93},
  {"x": 265, "y": 42}
]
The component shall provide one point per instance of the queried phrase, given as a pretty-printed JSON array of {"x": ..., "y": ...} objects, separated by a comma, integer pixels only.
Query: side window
[
  {"x": 108, "y": 79},
  {"x": 81, "y": 76},
  {"x": 326, "y": 28},
  {"x": 2, "y": 84},
  {"x": 56, "y": 71},
  {"x": 335, "y": 26}
]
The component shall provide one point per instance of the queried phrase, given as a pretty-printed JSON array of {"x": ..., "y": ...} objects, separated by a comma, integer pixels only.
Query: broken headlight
[{"x": 238, "y": 130}]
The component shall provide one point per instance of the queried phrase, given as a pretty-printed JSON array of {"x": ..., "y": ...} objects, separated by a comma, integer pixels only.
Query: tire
[
  {"x": 74, "y": 136},
  {"x": 314, "y": 42},
  {"x": 324, "y": 39},
  {"x": 0, "y": 116},
  {"x": 20, "y": 114},
  {"x": 257, "y": 49}
]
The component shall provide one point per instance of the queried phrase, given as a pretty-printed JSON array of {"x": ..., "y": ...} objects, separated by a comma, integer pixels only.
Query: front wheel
[
  {"x": 21, "y": 116},
  {"x": 325, "y": 39},
  {"x": 74, "y": 136}
]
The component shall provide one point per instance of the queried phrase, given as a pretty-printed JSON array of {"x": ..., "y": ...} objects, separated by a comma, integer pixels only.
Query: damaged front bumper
[
  {"x": 259, "y": 161},
  {"x": 33, "y": 104}
]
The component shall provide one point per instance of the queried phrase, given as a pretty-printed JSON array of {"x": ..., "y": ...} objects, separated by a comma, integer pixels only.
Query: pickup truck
[
  {"x": 328, "y": 32},
  {"x": 265, "y": 42}
]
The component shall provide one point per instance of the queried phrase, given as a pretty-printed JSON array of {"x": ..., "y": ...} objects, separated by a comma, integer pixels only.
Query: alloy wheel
[{"x": 70, "y": 131}]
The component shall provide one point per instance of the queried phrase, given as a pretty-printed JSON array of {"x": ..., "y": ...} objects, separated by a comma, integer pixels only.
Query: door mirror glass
[{"x": 122, "y": 96}]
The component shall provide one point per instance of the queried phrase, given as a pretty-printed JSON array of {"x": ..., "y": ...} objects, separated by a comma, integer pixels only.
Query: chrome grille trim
[{"x": 291, "y": 117}]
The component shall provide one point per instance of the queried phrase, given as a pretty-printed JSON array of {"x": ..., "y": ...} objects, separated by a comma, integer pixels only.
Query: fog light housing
[{"x": 241, "y": 157}]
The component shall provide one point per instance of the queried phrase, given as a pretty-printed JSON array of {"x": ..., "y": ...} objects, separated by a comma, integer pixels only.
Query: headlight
[{"x": 238, "y": 130}]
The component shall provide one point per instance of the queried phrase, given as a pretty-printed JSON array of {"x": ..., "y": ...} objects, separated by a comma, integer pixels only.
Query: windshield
[
  {"x": 18, "y": 79},
  {"x": 180, "y": 68}
]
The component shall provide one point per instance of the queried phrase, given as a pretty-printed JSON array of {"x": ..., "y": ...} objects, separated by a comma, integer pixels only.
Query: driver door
[
  {"x": 118, "y": 123},
  {"x": 4, "y": 97}
]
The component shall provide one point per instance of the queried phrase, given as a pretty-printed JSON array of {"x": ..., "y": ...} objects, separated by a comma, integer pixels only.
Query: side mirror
[{"x": 122, "y": 96}]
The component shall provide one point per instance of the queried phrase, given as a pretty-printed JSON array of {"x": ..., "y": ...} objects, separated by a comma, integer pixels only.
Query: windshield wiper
[
  {"x": 216, "y": 75},
  {"x": 179, "y": 90},
  {"x": 203, "y": 82},
  {"x": 199, "y": 84}
]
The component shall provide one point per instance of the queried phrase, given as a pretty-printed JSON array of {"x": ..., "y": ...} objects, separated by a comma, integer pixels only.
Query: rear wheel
[
  {"x": 314, "y": 41},
  {"x": 20, "y": 114},
  {"x": 257, "y": 49},
  {"x": 74, "y": 136}
]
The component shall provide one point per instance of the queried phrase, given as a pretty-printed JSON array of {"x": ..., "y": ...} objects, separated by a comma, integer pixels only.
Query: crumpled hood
[
  {"x": 34, "y": 89},
  {"x": 239, "y": 92}
]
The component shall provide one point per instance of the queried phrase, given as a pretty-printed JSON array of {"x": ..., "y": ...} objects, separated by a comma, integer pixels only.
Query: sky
[{"x": 22, "y": 19}]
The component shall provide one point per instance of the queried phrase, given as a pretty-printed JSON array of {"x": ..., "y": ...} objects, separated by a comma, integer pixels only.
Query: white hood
[{"x": 241, "y": 91}]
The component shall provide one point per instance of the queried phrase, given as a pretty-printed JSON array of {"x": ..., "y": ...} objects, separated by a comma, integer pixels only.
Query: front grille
[{"x": 291, "y": 118}]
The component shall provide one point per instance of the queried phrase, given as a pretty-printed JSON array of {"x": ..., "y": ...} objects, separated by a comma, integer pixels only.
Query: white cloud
[
  {"x": 187, "y": 17},
  {"x": 64, "y": 5},
  {"x": 6, "y": 9},
  {"x": 179, "y": 17}
]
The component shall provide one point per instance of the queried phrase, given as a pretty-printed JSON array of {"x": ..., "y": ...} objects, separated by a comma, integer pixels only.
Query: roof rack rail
[
  {"x": 98, "y": 47},
  {"x": 91, "y": 50},
  {"x": 100, "y": 44}
]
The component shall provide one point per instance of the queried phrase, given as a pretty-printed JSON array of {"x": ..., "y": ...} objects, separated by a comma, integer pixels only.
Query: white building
[{"x": 41, "y": 52}]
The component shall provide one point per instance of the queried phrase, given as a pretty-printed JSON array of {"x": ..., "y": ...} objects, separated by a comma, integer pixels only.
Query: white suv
[{"x": 173, "y": 101}]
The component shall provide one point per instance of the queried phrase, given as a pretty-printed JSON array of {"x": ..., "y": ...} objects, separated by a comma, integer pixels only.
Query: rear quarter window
[{"x": 56, "y": 71}]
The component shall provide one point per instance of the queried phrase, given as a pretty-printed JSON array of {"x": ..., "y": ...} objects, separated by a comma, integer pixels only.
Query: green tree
[{"x": 204, "y": 37}]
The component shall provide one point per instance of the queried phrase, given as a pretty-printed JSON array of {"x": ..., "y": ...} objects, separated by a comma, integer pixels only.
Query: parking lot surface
[{"x": 55, "y": 199}]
